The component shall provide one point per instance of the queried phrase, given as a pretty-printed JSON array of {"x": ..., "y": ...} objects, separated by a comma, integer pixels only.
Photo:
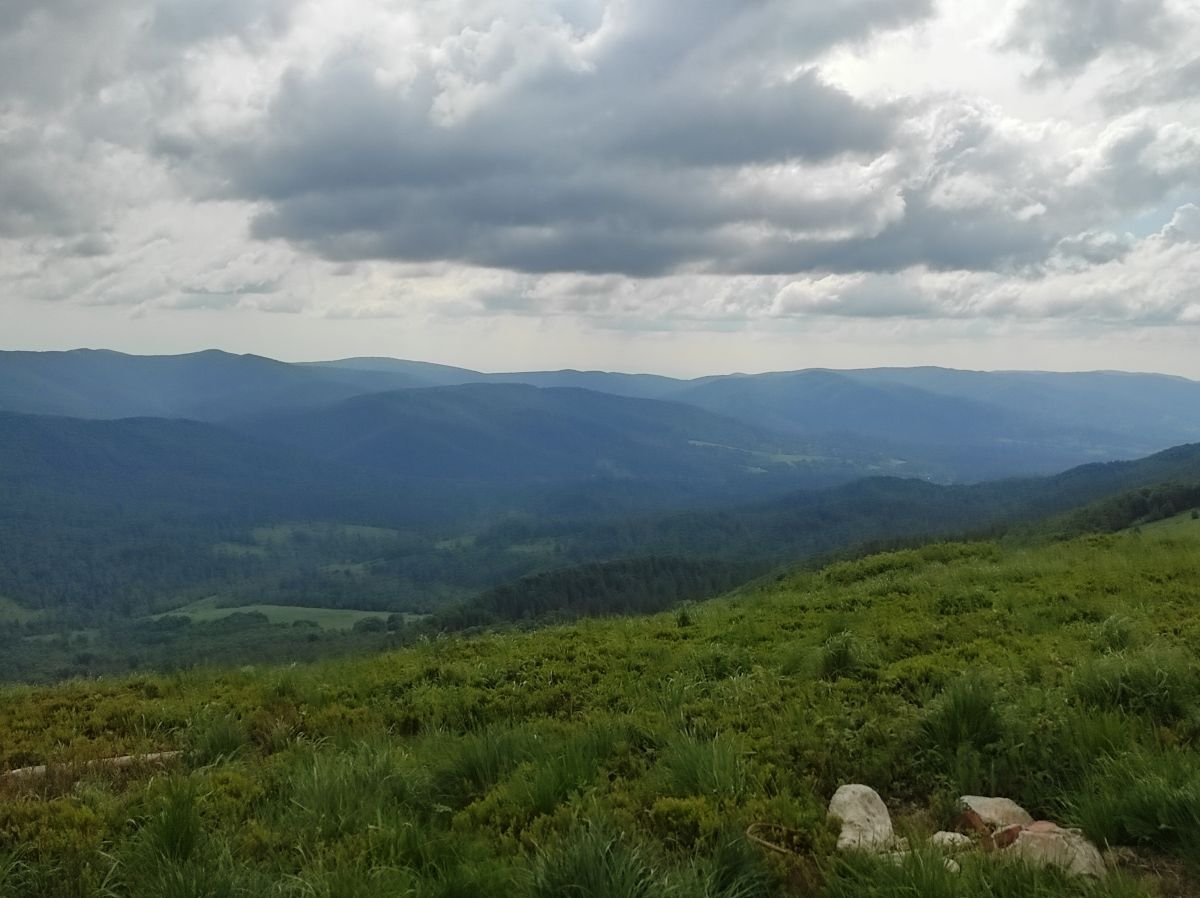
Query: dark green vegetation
[
  {"x": 371, "y": 488},
  {"x": 105, "y": 524},
  {"x": 627, "y": 756}
]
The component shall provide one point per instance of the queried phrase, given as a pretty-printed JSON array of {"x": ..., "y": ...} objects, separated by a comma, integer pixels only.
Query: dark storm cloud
[
  {"x": 1068, "y": 35},
  {"x": 559, "y": 143},
  {"x": 632, "y": 160}
]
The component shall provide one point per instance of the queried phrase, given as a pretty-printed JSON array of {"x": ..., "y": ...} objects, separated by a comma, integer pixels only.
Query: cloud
[
  {"x": 629, "y": 148},
  {"x": 1184, "y": 226},
  {"x": 1066, "y": 36},
  {"x": 608, "y": 161}
]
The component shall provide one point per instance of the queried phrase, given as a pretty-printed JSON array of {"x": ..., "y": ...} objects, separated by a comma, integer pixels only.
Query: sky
[{"x": 639, "y": 185}]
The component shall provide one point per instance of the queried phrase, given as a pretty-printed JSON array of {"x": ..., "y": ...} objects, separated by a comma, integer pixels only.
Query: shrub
[
  {"x": 961, "y": 603},
  {"x": 684, "y": 822}
]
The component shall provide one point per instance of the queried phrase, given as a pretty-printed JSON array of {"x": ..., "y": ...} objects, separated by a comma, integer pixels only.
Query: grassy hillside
[{"x": 626, "y": 757}]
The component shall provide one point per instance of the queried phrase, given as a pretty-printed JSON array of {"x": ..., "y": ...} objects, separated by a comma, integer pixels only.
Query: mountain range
[{"x": 941, "y": 424}]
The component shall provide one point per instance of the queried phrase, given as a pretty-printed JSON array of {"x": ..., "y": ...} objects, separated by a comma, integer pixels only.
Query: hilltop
[{"x": 632, "y": 753}]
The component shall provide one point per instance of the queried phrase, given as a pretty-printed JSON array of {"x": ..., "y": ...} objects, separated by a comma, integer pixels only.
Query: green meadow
[
  {"x": 628, "y": 756},
  {"x": 211, "y": 609}
]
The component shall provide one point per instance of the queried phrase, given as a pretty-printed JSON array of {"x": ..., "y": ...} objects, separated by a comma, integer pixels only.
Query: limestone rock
[
  {"x": 996, "y": 812},
  {"x": 951, "y": 842},
  {"x": 866, "y": 823},
  {"x": 1057, "y": 847}
]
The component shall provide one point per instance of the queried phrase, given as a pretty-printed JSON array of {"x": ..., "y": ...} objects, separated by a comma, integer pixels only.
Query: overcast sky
[{"x": 680, "y": 187}]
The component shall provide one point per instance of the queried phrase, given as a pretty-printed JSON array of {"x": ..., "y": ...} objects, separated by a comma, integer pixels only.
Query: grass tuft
[
  {"x": 965, "y": 715},
  {"x": 1148, "y": 798},
  {"x": 216, "y": 737},
  {"x": 593, "y": 861},
  {"x": 711, "y": 767},
  {"x": 1159, "y": 684}
]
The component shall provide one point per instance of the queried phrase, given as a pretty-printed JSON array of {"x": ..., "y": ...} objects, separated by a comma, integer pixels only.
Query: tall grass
[
  {"x": 923, "y": 874},
  {"x": 479, "y": 760},
  {"x": 1149, "y": 798},
  {"x": 965, "y": 715},
  {"x": 12, "y": 875},
  {"x": 173, "y": 832},
  {"x": 593, "y": 861},
  {"x": 1116, "y": 634},
  {"x": 549, "y": 780},
  {"x": 842, "y": 655},
  {"x": 712, "y": 767},
  {"x": 215, "y": 736},
  {"x": 736, "y": 869},
  {"x": 1160, "y": 684}
]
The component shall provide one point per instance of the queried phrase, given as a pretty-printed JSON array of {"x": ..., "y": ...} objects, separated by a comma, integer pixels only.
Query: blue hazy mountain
[
  {"x": 947, "y": 424},
  {"x": 499, "y": 431}
]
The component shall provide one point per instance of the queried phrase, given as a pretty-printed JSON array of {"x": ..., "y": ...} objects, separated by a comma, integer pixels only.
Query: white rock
[
  {"x": 951, "y": 842},
  {"x": 1063, "y": 848},
  {"x": 866, "y": 824},
  {"x": 996, "y": 812}
]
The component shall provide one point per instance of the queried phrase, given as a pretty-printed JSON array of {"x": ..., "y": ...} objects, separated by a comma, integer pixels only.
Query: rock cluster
[{"x": 988, "y": 825}]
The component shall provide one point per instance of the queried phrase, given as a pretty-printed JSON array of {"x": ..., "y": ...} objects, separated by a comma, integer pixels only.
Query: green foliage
[
  {"x": 924, "y": 874},
  {"x": 1149, "y": 798},
  {"x": 842, "y": 655},
  {"x": 12, "y": 875},
  {"x": 1116, "y": 634},
  {"x": 711, "y": 767},
  {"x": 593, "y": 861},
  {"x": 1161, "y": 684},
  {"x": 965, "y": 715},
  {"x": 216, "y": 736},
  {"x": 629, "y": 756}
]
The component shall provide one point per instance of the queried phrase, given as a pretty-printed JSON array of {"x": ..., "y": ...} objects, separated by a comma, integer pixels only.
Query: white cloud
[{"x": 603, "y": 162}]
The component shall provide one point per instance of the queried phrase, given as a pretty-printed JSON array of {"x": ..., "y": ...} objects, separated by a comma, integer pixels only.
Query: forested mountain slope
[{"x": 515, "y": 431}]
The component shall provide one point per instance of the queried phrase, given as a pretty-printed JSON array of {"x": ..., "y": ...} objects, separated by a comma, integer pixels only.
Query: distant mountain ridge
[{"x": 952, "y": 425}]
